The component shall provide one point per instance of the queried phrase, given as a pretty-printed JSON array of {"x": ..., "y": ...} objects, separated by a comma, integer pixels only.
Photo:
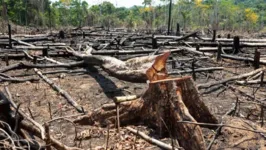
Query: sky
[{"x": 118, "y": 3}]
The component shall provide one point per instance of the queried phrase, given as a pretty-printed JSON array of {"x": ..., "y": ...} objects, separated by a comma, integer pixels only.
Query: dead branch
[
  {"x": 250, "y": 82},
  {"x": 23, "y": 65},
  {"x": 130, "y": 52},
  {"x": 7, "y": 78},
  {"x": 55, "y": 143},
  {"x": 151, "y": 140},
  {"x": 249, "y": 96},
  {"x": 218, "y": 130},
  {"x": 60, "y": 91},
  {"x": 54, "y": 72},
  {"x": 37, "y": 129},
  {"x": 130, "y": 70},
  {"x": 42, "y": 131},
  {"x": 208, "y": 85},
  {"x": 24, "y": 43},
  {"x": 242, "y": 58},
  {"x": 197, "y": 70},
  {"x": 222, "y": 125}
]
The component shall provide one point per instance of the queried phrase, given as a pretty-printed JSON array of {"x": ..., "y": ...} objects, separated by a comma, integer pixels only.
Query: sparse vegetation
[{"x": 192, "y": 14}]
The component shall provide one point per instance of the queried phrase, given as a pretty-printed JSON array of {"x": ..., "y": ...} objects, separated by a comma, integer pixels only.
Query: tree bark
[{"x": 165, "y": 102}]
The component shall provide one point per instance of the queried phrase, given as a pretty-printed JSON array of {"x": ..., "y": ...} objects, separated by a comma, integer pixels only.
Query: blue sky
[{"x": 118, "y": 3}]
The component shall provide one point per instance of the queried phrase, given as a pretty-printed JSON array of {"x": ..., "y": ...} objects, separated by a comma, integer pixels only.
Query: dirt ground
[{"x": 94, "y": 87}]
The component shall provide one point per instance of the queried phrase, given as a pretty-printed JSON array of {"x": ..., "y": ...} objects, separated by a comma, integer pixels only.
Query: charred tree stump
[
  {"x": 6, "y": 60},
  {"x": 193, "y": 70},
  {"x": 45, "y": 51},
  {"x": 169, "y": 17},
  {"x": 214, "y": 36},
  {"x": 35, "y": 59},
  {"x": 9, "y": 36},
  {"x": 177, "y": 29},
  {"x": 83, "y": 35},
  {"x": 236, "y": 46},
  {"x": 219, "y": 52},
  {"x": 228, "y": 36},
  {"x": 173, "y": 61},
  {"x": 256, "y": 62},
  {"x": 198, "y": 47},
  {"x": 61, "y": 34},
  {"x": 154, "y": 42},
  {"x": 261, "y": 79}
]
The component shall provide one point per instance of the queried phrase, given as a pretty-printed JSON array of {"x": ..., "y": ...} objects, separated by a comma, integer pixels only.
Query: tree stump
[{"x": 166, "y": 102}]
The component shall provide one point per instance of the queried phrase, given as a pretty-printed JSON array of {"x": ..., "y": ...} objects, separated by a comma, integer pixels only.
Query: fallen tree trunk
[
  {"x": 194, "y": 34},
  {"x": 242, "y": 58},
  {"x": 131, "y": 70},
  {"x": 242, "y": 76},
  {"x": 70, "y": 71},
  {"x": 197, "y": 70},
  {"x": 20, "y": 56},
  {"x": 16, "y": 80},
  {"x": 35, "y": 39},
  {"x": 124, "y": 52},
  {"x": 23, "y": 43},
  {"x": 23, "y": 65},
  {"x": 231, "y": 40},
  {"x": 250, "y": 82}
]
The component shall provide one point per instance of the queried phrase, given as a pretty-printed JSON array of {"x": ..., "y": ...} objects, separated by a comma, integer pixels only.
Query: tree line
[{"x": 190, "y": 14}]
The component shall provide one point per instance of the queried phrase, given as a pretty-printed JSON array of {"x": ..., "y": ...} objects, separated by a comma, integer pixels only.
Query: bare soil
[{"x": 95, "y": 88}]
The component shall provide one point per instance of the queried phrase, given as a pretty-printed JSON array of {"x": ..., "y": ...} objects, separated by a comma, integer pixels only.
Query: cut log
[
  {"x": 16, "y": 80},
  {"x": 36, "y": 39},
  {"x": 197, "y": 70},
  {"x": 241, "y": 40},
  {"x": 20, "y": 56},
  {"x": 125, "y": 52},
  {"x": 214, "y": 44},
  {"x": 250, "y": 82},
  {"x": 242, "y": 76},
  {"x": 23, "y": 65},
  {"x": 177, "y": 38},
  {"x": 242, "y": 58},
  {"x": 23, "y": 43}
]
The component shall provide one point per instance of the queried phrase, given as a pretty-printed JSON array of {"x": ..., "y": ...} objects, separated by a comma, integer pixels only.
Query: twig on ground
[
  {"x": 151, "y": 140},
  {"x": 60, "y": 91}
]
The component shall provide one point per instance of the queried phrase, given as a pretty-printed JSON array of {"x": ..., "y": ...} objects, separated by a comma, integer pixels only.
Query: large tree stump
[{"x": 166, "y": 102}]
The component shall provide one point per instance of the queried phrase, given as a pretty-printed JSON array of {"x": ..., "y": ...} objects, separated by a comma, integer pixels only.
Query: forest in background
[{"x": 245, "y": 15}]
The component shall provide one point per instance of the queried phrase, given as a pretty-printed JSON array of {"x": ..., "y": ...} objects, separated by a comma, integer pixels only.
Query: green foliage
[{"x": 191, "y": 14}]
